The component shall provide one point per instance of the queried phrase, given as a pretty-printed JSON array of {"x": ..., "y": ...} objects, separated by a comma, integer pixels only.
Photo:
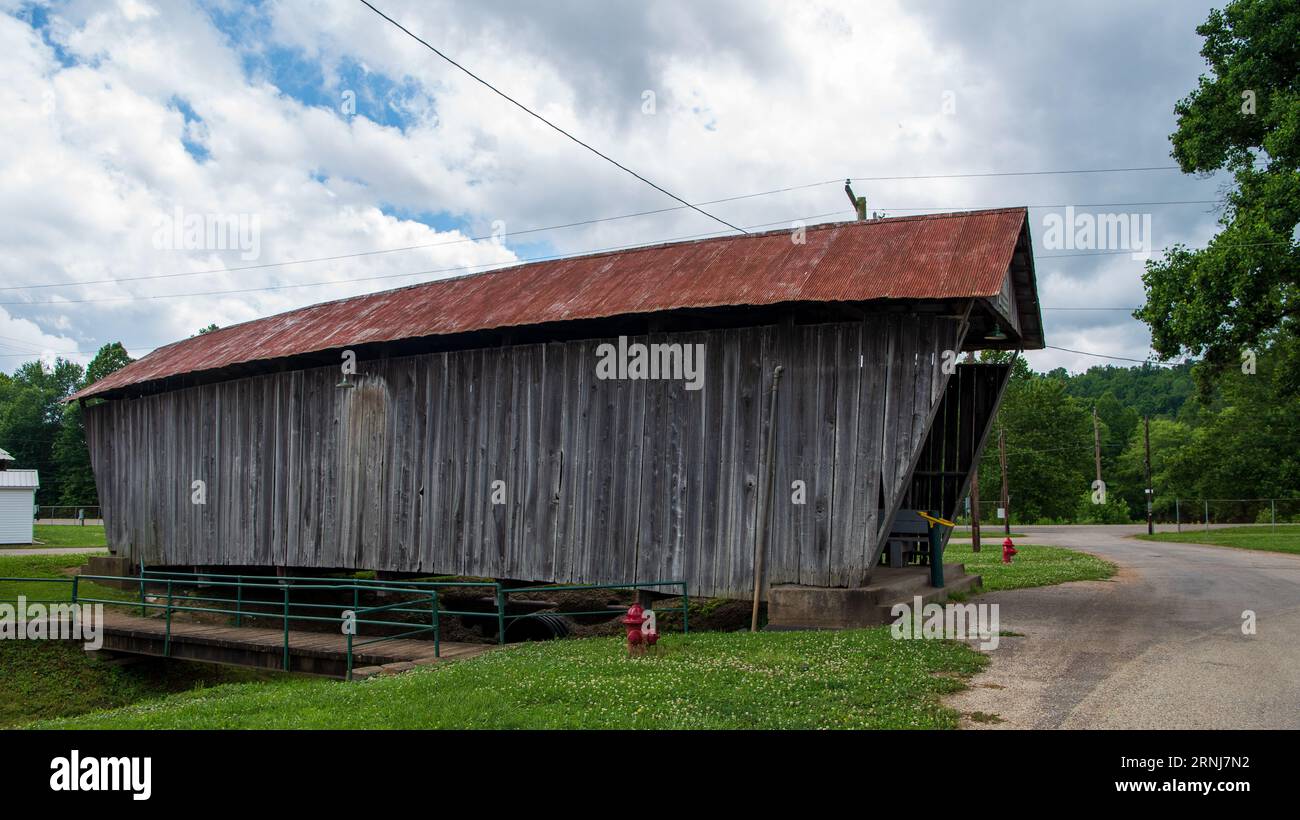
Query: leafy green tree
[
  {"x": 1049, "y": 449},
  {"x": 1248, "y": 445},
  {"x": 1241, "y": 292},
  {"x": 31, "y": 415},
  {"x": 1173, "y": 471},
  {"x": 1113, "y": 510},
  {"x": 111, "y": 358},
  {"x": 71, "y": 455},
  {"x": 1148, "y": 389}
]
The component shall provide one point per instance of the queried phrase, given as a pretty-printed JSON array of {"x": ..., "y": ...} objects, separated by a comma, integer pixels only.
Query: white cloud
[{"x": 750, "y": 97}]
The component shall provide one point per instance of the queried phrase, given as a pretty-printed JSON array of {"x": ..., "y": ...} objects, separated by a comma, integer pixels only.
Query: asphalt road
[{"x": 1159, "y": 646}]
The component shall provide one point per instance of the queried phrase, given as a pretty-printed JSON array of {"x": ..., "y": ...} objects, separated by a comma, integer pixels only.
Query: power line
[
  {"x": 85, "y": 352},
  {"x": 1108, "y": 356},
  {"x": 1049, "y": 347},
  {"x": 580, "y": 224},
  {"x": 377, "y": 252},
  {"x": 552, "y": 125},
  {"x": 1088, "y": 446},
  {"x": 461, "y": 268},
  {"x": 1019, "y": 173},
  {"x": 1056, "y": 205},
  {"x": 652, "y": 212},
  {"x": 359, "y": 254},
  {"x": 1206, "y": 248}
]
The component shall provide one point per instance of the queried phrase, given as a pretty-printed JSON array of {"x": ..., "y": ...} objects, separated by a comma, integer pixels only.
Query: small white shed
[{"x": 17, "y": 501}]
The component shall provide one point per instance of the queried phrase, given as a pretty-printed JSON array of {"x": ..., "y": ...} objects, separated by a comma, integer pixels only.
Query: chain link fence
[
  {"x": 1205, "y": 512},
  {"x": 83, "y": 514},
  {"x": 1180, "y": 512}
]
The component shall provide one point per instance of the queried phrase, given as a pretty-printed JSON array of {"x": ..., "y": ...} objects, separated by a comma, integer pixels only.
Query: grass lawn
[
  {"x": 51, "y": 679},
  {"x": 861, "y": 679},
  {"x": 47, "y": 679},
  {"x": 54, "y": 567},
  {"x": 58, "y": 535},
  {"x": 1033, "y": 566},
  {"x": 1261, "y": 537}
]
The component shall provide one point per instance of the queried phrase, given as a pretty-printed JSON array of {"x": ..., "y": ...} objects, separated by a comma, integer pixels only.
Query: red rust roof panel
[{"x": 921, "y": 257}]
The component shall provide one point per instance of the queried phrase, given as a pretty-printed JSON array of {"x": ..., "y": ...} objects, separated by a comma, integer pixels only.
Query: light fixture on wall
[{"x": 996, "y": 334}]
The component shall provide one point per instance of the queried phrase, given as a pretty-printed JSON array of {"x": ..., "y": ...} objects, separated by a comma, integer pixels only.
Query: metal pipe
[{"x": 760, "y": 544}]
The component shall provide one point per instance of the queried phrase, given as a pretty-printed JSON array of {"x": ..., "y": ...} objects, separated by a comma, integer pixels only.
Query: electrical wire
[
  {"x": 581, "y": 223},
  {"x": 539, "y": 117}
]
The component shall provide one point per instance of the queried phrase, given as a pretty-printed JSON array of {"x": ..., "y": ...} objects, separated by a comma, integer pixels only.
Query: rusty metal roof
[{"x": 936, "y": 256}]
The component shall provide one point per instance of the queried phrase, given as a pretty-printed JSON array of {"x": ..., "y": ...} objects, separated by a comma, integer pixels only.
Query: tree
[
  {"x": 71, "y": 455},
  {"x": 1241, "y": 292},
  {"x": 31, "y": 416},
  {"x": 111, "y": 358},
  {"x": 1173, "y": 468},
  {"x": 1049, "y": 449}
]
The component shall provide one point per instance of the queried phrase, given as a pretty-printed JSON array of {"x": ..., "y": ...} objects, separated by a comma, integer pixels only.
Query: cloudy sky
[{"x": 316, "y": 129}]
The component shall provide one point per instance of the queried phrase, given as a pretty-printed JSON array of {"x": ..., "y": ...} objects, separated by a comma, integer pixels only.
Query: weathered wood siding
[{"x": 605, "y": 480}]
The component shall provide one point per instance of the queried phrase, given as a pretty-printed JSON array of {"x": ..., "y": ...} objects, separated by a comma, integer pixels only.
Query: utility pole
[
  {"x": 974, "y": 489},
  {"x": 1150, "y": 491},
  {"x": 1096, "y": 441},
  {"x": 1006, "y": 499}
]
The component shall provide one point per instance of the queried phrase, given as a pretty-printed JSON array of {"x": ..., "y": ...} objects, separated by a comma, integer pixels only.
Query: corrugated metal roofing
[
  {"x": 935, "y": 256},
  {"x": 19, "y": 480}
]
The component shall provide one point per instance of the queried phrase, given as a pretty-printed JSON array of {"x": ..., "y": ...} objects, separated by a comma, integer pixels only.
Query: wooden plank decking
[{"x": 320, "y": 653}]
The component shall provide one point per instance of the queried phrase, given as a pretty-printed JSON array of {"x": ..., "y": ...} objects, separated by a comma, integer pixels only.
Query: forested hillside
[{"x": 1236, "y": 439}]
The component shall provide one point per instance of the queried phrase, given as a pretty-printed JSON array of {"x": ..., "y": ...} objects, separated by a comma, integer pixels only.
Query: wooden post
[
  {"x": 1150, "y": 491},
  {"x": 974, "y": 483},
  {"x": 1006, "y": 497},
  {"x": 760, "y": 543}
]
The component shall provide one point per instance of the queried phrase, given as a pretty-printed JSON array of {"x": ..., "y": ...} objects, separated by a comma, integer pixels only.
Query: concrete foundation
[
  {"x": 803, "y": 607},
  {"x": 111, "y": 565}
]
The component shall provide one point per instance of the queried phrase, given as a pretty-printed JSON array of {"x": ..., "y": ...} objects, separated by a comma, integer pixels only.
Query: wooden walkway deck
[{"x": 318, "y": 653}]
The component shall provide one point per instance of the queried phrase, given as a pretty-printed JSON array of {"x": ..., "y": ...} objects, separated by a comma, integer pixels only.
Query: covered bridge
[{"x": 478, "y": 436}]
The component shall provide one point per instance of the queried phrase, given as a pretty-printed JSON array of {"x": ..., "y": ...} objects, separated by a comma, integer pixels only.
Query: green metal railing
[{"x": 177, "y": 591}]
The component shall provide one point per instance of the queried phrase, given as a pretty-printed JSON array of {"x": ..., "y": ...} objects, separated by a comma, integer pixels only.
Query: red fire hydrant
[
  {"x": 632, "y": 620},
  {"x": 1008, "y": 550}
]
